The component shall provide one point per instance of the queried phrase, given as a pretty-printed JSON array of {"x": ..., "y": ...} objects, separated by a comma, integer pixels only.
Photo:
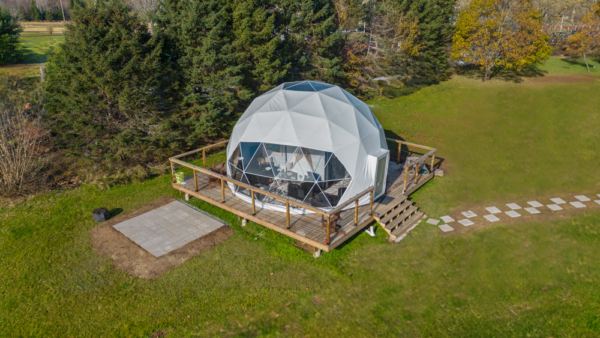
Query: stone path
[
  {"x": 167, "y": 228},
  {"x": 533, "y": 210}
]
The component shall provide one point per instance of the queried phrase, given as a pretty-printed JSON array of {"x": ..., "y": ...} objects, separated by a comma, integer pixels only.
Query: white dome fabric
[{"x": 318, "y": 116}]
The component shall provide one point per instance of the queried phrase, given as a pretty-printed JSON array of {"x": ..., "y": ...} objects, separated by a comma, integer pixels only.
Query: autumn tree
[
  {"x": 500, "y": 34},
  {"x": 586, "y": 41}
]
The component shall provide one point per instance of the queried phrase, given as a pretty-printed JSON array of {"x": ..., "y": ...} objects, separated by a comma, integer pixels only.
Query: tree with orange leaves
[
  {"x": 587, "y": 40},
  {"x": 497, "y": 34}
]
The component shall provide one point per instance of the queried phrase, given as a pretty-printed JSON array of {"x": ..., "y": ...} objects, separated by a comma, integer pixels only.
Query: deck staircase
[{"x": 397, "y": 216}]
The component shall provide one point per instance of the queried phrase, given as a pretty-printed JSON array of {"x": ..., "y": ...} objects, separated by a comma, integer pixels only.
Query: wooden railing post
[
  {"x": 356, "y": 213},
  {"x": 405, "y": 178},
  {"x": 195, "y": 180},
  {"x": 371, "y": 204},
  {"x": 432, "y": 161},
  {"x": 328, "y": 225},
  {"x": 222, "y": 190},
  {"x": 399, "y": 149},
  {"x": 416, "y": 172},
  {"x": 172, "y": 170},
  {"x": 253, "y": 203},
  {"x": 204, "y": 158},
  {"x": 287, "y": 216}
]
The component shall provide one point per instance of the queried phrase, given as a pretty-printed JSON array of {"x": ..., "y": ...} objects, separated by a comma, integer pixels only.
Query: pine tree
[
  {"x": 435, "y": 22},
  {"x": 36, "y": 14},
  {"x": 108, "y": 87},
  {"x": 9, "y": 38}
]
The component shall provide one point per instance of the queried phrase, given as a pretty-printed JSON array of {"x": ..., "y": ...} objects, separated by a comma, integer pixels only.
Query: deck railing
[
  {"x": 253, "y": 190},
  {"x": 430, "y": 153}
]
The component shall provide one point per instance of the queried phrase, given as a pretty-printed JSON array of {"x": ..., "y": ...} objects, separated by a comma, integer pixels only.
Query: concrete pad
[
  {"x": 433, "y": 221},
  {"x": 469, "y": 214},
  {"x": 535, "y": 204},
  {"x": 513, "y": 214},
  {"x": 532, "y": 210},
  {"x": 554, "y": 207},
  {"x": 597, "y": 201},
  {"x": 447, "y": 219},
  {"x": 513, "y": 206},
  {"x": 491, "y": 218},
  {"x": 493, "y": 210},
  {"x": 167, "y": 228},
  {"x": 466, "y": 222},
  {"x": 578, "y": 204},
  {"x": 446, "y": 228},
  {"x": 582, "y": 198},
  {"x": 558, "y": 200}
]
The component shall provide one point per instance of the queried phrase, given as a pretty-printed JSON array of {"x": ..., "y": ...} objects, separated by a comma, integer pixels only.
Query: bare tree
[{"x": 146, "y": 8}]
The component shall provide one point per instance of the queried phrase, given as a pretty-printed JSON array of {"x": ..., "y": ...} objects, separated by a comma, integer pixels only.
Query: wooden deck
[{"x": 306, "y": 228}]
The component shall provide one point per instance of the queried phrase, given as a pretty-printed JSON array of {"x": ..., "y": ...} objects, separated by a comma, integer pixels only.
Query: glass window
[
  {"x": 248, "y": 150},
  {"x": 335, "y": 170},
  {"x": 260, "y": 164},
  {"x": 302, "y": 87}
]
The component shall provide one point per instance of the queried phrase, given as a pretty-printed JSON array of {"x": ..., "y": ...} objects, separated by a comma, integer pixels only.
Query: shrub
[{"x": 9, "y": 38}]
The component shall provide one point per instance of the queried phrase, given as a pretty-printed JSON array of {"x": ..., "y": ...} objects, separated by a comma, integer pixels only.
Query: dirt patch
[
  {"x": 562, "y": 79},
  {"x": 130, "y": 257}
]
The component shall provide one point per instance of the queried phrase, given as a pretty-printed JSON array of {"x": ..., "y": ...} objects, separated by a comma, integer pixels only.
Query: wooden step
[
  {"x": 395, "y": 212},
  {"x": 410, "y": 222},
  {"x": 391, "y": 206},
  {"x": 401, "y": 218}
]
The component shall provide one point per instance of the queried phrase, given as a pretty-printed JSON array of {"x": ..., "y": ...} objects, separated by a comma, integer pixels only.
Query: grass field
[
  {"x": 37, "y": 47},
  {"x": 499, "y": 141}
]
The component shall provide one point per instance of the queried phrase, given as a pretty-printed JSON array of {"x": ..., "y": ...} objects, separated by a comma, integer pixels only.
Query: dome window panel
[
  {"x": 234, "y": 159},
  {"x": 279, "y": 155},
  {"x": 317, "y": 160},
  {"x": 335, "y": 170},
  {"x": 248, "y": 149},
  {"x": 318, "y": 86},
  {"x": 320, "y": 199},
  {"x": 260, "y": 164},
  {"x": 302, "y": 87}
]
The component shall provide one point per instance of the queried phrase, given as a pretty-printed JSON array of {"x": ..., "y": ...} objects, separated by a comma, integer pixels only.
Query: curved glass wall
[{"x": 311, "y": 176}]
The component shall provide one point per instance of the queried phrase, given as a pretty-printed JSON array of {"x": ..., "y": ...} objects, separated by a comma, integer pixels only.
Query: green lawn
[
  {"x": 499, "y": 141},
  {"x": 570, "y": 66},
  {"x": 37, "y": 48}
]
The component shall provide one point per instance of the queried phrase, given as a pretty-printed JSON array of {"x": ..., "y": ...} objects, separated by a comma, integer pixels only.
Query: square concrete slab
[
  {"x": 167, "y": 228},
  {"x": 469, "y": 214},
  {"x": 433, "y": 221},
  {"x": 582, "y": 198},
  {"x": 558, "y": 200},
  {"x": 532, "y": 210},
  {"x": 578, "y": 204},
  {"x": 466, "y": 222},
  {"x": 554, "y": 207},
  {"x": 447, "y": 219},
  {"x": 597, "y": 201},
  {"x": 513, "y": 214},
  {"x": 493, "y": 210},
  {"x": 535, "y": 204},
  {"x": 513, "y": 206},
  {"x": 491, "y": 218},
  {"x": 446, "y": 228}
]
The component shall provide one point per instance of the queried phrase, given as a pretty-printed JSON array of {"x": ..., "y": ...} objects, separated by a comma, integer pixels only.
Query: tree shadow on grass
[
  {"x": 500, "y": 73},
  {"x": 397, "y": 88}
]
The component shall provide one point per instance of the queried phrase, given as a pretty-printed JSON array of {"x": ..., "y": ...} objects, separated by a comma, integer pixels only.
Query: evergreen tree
[
  {"x": 108, "y": 87},
  {"x": 36, "y": 14},
  {"x": 9, "y": 38},
  {"x": 435, "y": 22}
]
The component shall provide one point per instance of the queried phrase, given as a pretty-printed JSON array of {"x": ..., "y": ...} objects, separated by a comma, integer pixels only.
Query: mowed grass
[
  {"x": 498, "y": 140},
  {"x": 36, "y": 47}
]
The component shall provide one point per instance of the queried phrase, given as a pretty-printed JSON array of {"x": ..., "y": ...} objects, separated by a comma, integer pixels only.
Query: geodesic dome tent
[{"x": 308, "y": 141}]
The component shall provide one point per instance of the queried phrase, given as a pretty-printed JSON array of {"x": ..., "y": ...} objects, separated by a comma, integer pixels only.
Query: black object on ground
[{"x": 101, "y": 214}]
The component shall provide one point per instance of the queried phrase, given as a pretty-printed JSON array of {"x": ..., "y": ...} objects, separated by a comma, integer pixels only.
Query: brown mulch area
[
  {"x": 128, "y": 256},
  {"x": 563, "y": 79}
]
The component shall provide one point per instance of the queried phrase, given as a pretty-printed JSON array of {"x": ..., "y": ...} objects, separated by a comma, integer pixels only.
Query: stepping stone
[
  {"x": 554, "y": 207},
  {"x": 466, "y": 222},
  {"x": 532, "y": 210},
  {"x": 597, "y": 201},
  {"x": 535, "y": 204},
  {"x": 433, "y": 221},
  {"x": 513, "y": 214},
  {"x": 491, "y": 218},
  {"x": 558, "y": 200},
  {"x": 513, "y": 206},
  {"x": 446, "y": 228},
  {"x": 469, "y": 214},
  {"x": 582, "y": 198},
  {"x": 447, "y": 219},
  {"x": 578, "y": 204},
  {"x": 493, "y": 210}
]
